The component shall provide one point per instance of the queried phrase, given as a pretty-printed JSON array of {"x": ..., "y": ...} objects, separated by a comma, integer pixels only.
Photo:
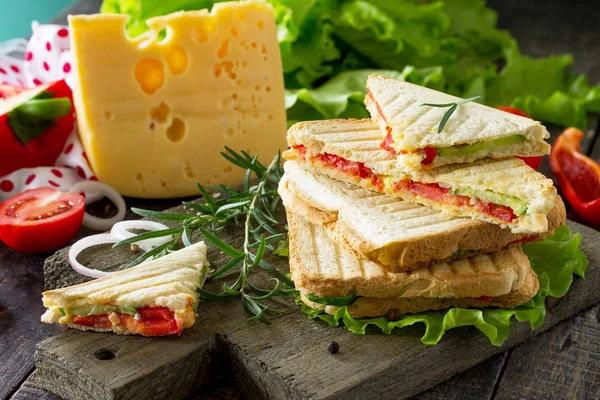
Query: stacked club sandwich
[{"x": 422, "y": 207}]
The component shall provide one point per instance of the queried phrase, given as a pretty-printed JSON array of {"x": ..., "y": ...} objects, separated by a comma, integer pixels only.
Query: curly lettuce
[{"x": 555, "y": 260}]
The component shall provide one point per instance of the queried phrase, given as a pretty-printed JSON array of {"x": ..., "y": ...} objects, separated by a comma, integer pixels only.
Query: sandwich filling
[
  {"x": 499, "y": 206},
  {"x": 430, "y": 154},
  {"x": 145, "y": 321}
]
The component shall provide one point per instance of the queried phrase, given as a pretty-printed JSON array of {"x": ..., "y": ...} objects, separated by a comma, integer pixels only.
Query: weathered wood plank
[
  {"x": 287, "y": 359},
  {"x": 21, "y": 281},
  {"x": 474, "y": 384},
  {"x": 564, "y": 363},
  {"x": 32, "y": 389}
]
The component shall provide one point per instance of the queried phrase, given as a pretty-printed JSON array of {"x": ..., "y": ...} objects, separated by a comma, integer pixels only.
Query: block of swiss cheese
[{"x": 154, "y": 112}]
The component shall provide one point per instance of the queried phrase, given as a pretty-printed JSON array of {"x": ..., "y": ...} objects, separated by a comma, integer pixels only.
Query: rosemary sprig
[
  {"x": 453, "y": 106},
  {"x": 254, "y": 208}
]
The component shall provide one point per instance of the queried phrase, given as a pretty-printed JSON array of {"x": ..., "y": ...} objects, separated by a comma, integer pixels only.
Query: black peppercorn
[
  {"x": 333, "y": 347},
  {"x": 393, "y": 315}
]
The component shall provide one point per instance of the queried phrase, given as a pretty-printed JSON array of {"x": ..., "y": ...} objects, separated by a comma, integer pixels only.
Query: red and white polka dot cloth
[{"x": 45, "y": 58}]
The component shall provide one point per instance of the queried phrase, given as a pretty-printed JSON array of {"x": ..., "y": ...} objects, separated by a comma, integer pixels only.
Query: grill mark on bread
[{"x": 338, "y": 260}]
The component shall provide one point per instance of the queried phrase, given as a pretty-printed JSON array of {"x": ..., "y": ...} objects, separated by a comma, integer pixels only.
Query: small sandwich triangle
[
  {"x": 427, "y": 129},
  {"x": 155, "y": 298}
]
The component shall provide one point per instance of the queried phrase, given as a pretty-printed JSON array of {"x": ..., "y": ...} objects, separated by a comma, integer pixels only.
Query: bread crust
[
  {"x": 408, "y": 252},
  {"x": 323, "y": 268},
  {"x": 368, "y": 307}
]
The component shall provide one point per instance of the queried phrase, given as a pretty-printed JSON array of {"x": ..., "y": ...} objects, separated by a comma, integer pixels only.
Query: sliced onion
[
  {"x": 121, "y": 232},
  {"x": 83, "y": 244},
  {"x": 92, "y": 222}
]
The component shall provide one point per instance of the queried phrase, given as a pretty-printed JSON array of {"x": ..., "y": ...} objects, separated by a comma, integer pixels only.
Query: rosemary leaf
[
  {"x": 149, "y": 235},
  {"x": 161, "y": 216},
  {"x": 221, "y": 245},
  {"x": 226, "y": 268},
  {"x": 446, "y": 117}
]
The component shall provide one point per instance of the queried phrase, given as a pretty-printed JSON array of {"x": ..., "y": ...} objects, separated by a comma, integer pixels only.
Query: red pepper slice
[
  {"x": 34, "y": 149},
  {"x": 535, "y": 161},
  {"x": 578, "y": 175}
]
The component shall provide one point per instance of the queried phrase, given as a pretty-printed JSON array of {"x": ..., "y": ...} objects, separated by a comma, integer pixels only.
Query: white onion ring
[
  {"x": 120, "y": 231},
  {"x": 101, "y": 224},
  {"x": 83, "y": 244}
]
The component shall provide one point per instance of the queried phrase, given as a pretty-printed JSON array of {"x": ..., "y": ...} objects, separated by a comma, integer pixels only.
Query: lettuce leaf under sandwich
[{"x": 555, "y": 260}]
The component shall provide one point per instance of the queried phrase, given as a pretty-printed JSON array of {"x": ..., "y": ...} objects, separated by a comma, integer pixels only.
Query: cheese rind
[{"x": 154, "y": 114}]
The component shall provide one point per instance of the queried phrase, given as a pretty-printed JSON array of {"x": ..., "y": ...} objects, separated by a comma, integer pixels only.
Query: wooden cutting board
[{"x": 287, "y": 359}]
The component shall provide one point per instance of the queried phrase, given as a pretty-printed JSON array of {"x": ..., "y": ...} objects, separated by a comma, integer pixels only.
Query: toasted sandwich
[
  {"x": 155, "y": 298},
  {"x": 410, "y": 127},
  {"x": 502, "y": 191},
  {"x": 392, "y": 233},
  {"x": 329, "y": 277}
]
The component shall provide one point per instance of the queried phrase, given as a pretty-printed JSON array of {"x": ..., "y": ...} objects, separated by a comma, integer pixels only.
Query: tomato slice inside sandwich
[{"x": 150, "y": 321}]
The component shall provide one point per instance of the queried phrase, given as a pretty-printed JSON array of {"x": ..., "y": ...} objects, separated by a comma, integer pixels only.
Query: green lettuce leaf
[
  {"x": 334, "y": 301},
  {"x": 554, "y": 260},
  {"x": 343, "y": 96}
]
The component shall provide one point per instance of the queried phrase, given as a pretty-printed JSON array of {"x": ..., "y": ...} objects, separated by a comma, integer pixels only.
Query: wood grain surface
[{"x": 287, "y": 359}]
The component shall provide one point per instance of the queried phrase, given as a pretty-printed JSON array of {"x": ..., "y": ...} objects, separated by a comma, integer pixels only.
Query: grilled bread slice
[
  {"x": 155, "y": 298},
  {"x": 502, "y": 191},
  {"x": 395, "y": 234},
  {"x": 323, "y": 269},
  {"x": 473, "y": 131}
]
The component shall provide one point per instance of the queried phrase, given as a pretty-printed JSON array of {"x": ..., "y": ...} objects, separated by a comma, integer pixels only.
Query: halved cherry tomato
[
  {"x": 533, "y": 162},
  {"x": 40, "y": 220}
]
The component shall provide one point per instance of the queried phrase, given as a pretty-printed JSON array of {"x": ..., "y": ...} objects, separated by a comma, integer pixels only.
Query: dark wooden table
[{"x": 563, "y": 362}]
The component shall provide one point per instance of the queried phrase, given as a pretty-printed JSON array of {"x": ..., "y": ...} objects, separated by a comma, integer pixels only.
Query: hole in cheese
[
  {"x": 224, "y": 49},
  {"x": 176, "y": 131},
  {"x": 162, "y": 35},
  {"x": 160, "y": 113},
  {"x": 253, "y": 44},
  {"x": 263, "y": 49},
  {"x": 189, "y": 172},
  {"x": 227, "y": 169},
  {"x": 202, "y": 32},
  {"x": 240, "y": 14},
  {"x": 268, "y": 88},
  {"x": 177, "y": 60},
  {"x": 234, "y": 96},
  {"x": 229, "y": 132},
  {"x": 108, "y": 115},
  {"x": 150, "y": 74},
  {"x": 225, "y": 66},
  {"x": 260, "y": 25},
  {"x": 234, "y": 32}
]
